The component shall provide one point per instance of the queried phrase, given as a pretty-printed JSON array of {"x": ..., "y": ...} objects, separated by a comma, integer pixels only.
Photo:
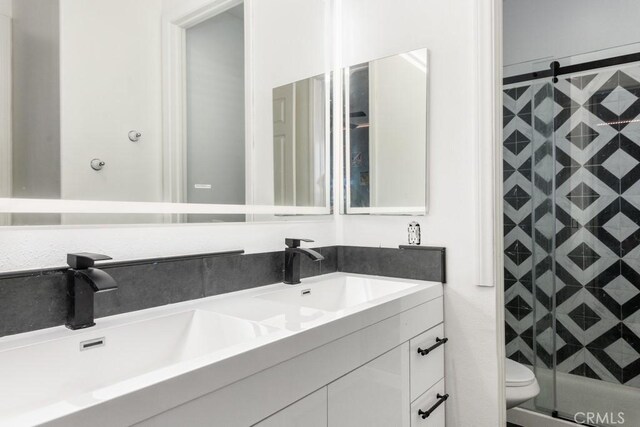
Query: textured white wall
[
  {"x": 5, "y": 7},
  {"x": 543, "y": 29},
  {"x": 378, "y": 28},
  {"x": 34, "y": 247}
]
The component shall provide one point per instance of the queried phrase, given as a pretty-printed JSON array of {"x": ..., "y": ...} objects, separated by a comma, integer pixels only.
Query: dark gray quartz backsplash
[
  {"x": 417, "y": 262},
  {"x": 38, "y": 299}
]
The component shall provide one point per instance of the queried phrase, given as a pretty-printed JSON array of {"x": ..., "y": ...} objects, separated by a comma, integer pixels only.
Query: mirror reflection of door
[
  {"x": 284, "y": 129},
  {"x": 299, "y": 143},
  {"x": 215, "y": 109}
]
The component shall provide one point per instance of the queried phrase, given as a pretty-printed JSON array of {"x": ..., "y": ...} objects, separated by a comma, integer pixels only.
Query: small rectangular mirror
[{"x": 385, "y": 135}]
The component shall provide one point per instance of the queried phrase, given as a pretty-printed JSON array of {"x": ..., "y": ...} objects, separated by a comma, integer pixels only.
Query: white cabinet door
[
  {"x": 310, "y": 411},
  {"x": 427, "y": 366},
  {"x": 429, "y": 409},
  {"x": 374, "y": 395}
]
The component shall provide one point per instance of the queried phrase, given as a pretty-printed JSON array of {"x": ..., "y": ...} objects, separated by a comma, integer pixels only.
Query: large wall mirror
[
  {"x": 385, "y": 135},
  {"x": 166, "y": 102}
]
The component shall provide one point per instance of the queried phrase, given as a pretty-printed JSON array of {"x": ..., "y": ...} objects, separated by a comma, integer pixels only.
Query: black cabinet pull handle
[
  {"x": 441, "y": 399},
  {"x": 439, "y": 342}
]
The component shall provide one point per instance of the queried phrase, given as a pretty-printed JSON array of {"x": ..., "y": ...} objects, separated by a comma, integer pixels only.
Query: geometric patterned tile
[
  {"x": 584, "y": 317},
  {"x": 622, "y": 353},
  {"x": 621, "y": 290},
  {"x": 516, "y": 142},
  {"x": 583, "y": 134},
  {"x": 582, "y": 196},
  {"x": 620, "y": 163},
  {"x": 620, "y": 226},
  {"x": 583, "y": 256},
  {"x": 518, "y": 252},
  {"x": 581, "y": 81},
  {"x": 619, "y": 100},
  {"x": 517, "y": 197}
]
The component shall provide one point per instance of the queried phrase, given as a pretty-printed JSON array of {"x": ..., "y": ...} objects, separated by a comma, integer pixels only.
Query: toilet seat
[{"x": 518, "y": 375}]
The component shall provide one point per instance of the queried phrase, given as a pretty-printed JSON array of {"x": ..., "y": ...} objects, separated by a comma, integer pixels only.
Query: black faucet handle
[
  {"x": 84, "y": 260},
  {"x": 295, "y": 243}
]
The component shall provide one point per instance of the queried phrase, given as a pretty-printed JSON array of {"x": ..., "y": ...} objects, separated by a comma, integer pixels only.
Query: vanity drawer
[
  {"x": 427, "y": 366},
  {"x": 432, "y": 404}
]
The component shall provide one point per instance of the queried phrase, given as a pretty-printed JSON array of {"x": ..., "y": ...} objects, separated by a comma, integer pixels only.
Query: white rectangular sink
[
  {"x": 337, "y": 293},
  {"x": 59, "y": 369}
]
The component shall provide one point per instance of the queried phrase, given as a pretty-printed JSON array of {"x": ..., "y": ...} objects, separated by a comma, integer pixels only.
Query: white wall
[
  {"x": 5, "y": 7},
  {"x": 35, "y": 104},
  {"x": 110, "y": 84},
  {"x": 41, "y": 247},
  {"x": 6, "y": 160},
  {"x": 544, "y": 29},
  {"x": 280, "y": 58},
  {"x": 398, "y": 110},
  {"x": 36, "y": 99},
  {"x": 378, "y": 28},
  {"x": 5, "y": 104}
]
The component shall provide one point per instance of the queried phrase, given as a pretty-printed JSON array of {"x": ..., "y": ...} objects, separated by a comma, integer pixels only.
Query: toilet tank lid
[{"x": 518, "y": 375}]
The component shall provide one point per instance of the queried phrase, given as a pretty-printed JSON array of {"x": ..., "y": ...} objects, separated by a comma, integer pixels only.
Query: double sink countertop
[{"x": 197, "y": 346}]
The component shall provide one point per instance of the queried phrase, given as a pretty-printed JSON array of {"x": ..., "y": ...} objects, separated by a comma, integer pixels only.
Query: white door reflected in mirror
[{"x": 300, "y": 154}]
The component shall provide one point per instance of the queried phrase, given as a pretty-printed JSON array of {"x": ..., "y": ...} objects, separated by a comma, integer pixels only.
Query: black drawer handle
[
  {"x": 441, "y": 399},
  {"x": 438, "y": 343}
]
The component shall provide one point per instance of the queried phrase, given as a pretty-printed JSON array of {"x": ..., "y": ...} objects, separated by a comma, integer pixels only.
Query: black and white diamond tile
[{"x": 579, "y": 243}]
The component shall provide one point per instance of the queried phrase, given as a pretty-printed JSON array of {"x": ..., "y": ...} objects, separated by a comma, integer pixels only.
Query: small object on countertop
[{"x": 414, "y": 233}]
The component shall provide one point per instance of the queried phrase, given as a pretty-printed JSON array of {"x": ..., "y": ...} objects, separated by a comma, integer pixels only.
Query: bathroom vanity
[{"x": 337, "y": 350}]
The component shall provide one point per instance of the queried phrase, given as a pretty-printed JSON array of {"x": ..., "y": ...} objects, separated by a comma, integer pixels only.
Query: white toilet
[{"x": 521, "y": 384}]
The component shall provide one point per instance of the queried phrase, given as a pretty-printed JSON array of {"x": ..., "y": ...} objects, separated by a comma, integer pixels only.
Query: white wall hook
[{"x": 134, "y": 136}]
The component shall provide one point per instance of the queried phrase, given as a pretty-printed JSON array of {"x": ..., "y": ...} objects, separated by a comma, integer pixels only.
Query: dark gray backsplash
[
  {"x": 38, "y": 299},
  {"x": 418, "y": 262}
]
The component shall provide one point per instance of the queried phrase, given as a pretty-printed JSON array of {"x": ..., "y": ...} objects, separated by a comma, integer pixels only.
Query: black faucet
[
  {"x": 83, "y": 282},
  {"x": 292, "y": 259}
]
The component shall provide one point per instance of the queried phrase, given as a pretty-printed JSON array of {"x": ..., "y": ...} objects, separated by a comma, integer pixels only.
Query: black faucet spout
[
  {"x": 314, "y": 255},
  {"x": 99, "y": 280}
]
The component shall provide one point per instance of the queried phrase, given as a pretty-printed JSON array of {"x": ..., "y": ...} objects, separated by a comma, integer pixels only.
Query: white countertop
[{"x": 280, "y": 331}]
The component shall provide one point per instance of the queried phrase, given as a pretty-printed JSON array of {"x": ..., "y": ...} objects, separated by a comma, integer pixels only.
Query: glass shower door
[
  {"x": 529, "y": 232},
  {"x": 572, "y": 239},
  {"x": 597, "y": 248},
  {"x": 543, "y": 232}
]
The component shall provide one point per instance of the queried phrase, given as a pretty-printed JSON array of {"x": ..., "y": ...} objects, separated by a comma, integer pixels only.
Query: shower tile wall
[{"x": 594, "y": 120}]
